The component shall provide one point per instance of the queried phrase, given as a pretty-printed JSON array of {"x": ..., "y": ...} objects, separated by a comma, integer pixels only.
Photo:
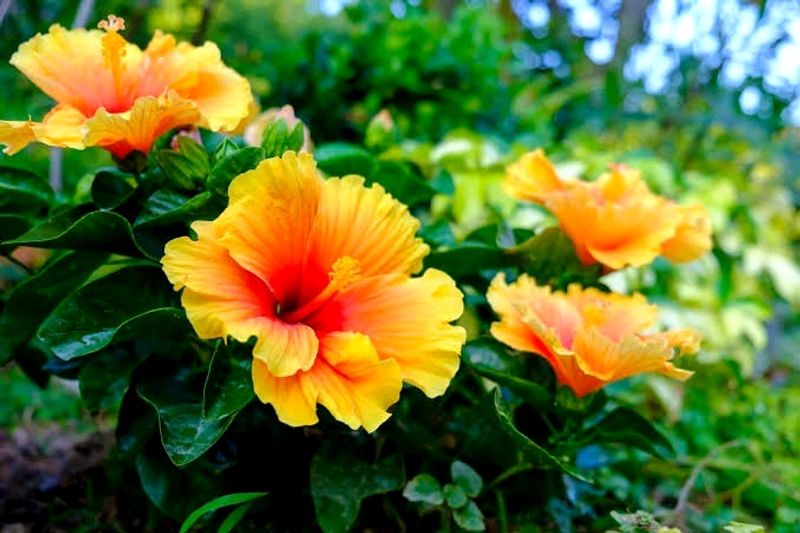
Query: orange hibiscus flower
[
  {"x": 110, "y": 93},
  {"x": 616, "y": 220},
  {"x": 319, "y": 272},
  {"x": 590, "y": 338}
]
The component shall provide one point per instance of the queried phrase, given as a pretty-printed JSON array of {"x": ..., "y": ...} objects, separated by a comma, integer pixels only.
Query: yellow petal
[
  {"x": 294, "y": 398},
  {"x": 599, "y": 356},
  {"x": 267, "y": 224},
  {"x": 222, "y": 96},
  {"x": 16, "y": 135},
  {"x": 693, "y": 235},
  {"x": 408, "y": 320},
  {"x": 68, "y": 66},
  {"x": 354, "y": 385},
  {"x": 366, "y": 224},
  {"x": 532, "y": 178},
  {"x": 138, "y": 128}
]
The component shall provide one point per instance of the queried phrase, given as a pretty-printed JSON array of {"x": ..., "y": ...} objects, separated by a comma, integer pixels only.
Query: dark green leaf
[
  {"x": 134, "y": 302},
  {"x": 81, "y": 229},
  {"x": 105, "y": 378},
  {"x": 466, "y": 477},
  {"x": 185, "y": 434},
  {"x": 229, "y": 385},
  {"x": 224, "y": 149},
  {"x": 278, "y": 138},
  {"x": 442, "y": 183},
  {"x": 111, "y": 188},
  {"x": 228, "y": 500},
  {"x": 535, "y": 452},
  {"x": 625, "y": 426},
  {"x": 467, "y": 260},
  {"x": 22, "y": 191},
  {"x": 401, "y": 182},
  {"x": 12, "y": 226},
  {"x": 455, "y": 496},
  {"x": 550, "y": 257},
  {"x": 32, "y": 300},
  {"x": 341, "y": 159},
  {"x": 185, "y": 167},
  {"x": 469, "y": 517},
  {"x": 424, "y": 488},
  {"x": 165, "y": 207},
  {"x": 339, "y": 481},
  {"x": 231, "y": 166},
  {"x": 489, "y": 359},
  {"x": 438, "y": 234}
]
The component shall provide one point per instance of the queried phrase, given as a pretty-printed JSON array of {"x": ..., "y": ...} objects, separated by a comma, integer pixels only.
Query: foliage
[{"x": 505, "y": 447}]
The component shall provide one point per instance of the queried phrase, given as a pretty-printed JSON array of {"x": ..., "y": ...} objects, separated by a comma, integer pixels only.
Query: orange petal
[
  {"x": 138, "y": 128},
  {"x": 614, "y": 315},
  {"x": 366, "y": 224},
  {"x": 294, "y": 398},
  {"x": 532, "y": 178},
  {"x": 222, "y": 298},
  {"x": 408, "y": 320},
  {"x": 268, "y": 221},
  {"x": 63, "y": 126},
  {"x": 354, "y": 385},
  {"x": 16, "y": 135},
  {"x": 68, "y": 66},
  {"x": 693, "y": 236},
  {"x": 222, "y": 96}
]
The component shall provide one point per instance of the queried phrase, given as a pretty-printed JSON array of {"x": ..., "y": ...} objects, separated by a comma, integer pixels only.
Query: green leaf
[
  {"x": 278, "y": 139},
  {"x": 165, "y": 207},
  {"x": 224, "y": 149},
  {"x": 231, "y": 166},
  {"x": 625, "y": 426},
  {"x": 339, "y": 481},
  {"x": 12, "y": 226},
  {"x": 401, "y": 182},
  {"x": 30, "y": 302},
  {"x": 22, "y": 191},
  {"x": 233, "y": 519},
  {"x": 469, "y": 517},
  {"x": 455, "y": 496},
  {"x": 466, "y": 477},
  {"x": 131, "y": 303},
  {"x": 551, "y": 259},
  {"x": 111, "y": 188},
  {"x": 105, "y": 378},
  {"x": 741, "y": 527},
  {"x": 424, "y": 488},
  {"x": 489, "y": 359},
  {"x": 341, "y": 159},
  {"x": 438, "y": 234},
  {"x": 228, "y": 500},
  {"x": 535, "y": 452},
  {"x": 185, "y": 434},
  {"x": 185, "y": 167},
  {"x": 81, "y": 228},
  {"x": 229, "y": 384},
  {"x": 467, "y": 260}
]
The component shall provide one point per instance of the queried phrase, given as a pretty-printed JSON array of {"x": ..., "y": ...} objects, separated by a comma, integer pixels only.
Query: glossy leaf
[
  {"x": 550, "y": 257},
  {"x": 165, "y": 207},
  {"x": 535, "y": 452},
  {"x": 111, "y": 188},
  {"x": 105, "y": 378},
  {"x": 231, "y": 166},
  {"x": 29, "y": 303},
  {"x": 339, "y": 481},
  {"x": 466, "y": 260},
  {"x": 489, "y": 359},
  {"x": 81, "y": 228},
  {"x": 22, "y": 191},
  {"x": 228, "y": 500},
  {"x": 229, "y": 385},
  {"x": 134, "y": 302},
  {"x": 185, "y": 434},
  {"x": 341, "y": 159},
  {"x": 625, "y": 426},
  {"x": 401, "y": 182},
  {"x": 185, "y": 167}
]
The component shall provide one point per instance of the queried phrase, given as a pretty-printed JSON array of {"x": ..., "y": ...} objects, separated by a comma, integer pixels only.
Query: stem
[{"x": 511, "y": 472}]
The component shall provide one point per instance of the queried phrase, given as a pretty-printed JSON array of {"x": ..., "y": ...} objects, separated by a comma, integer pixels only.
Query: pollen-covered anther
[{"x": 112, "y": 24}]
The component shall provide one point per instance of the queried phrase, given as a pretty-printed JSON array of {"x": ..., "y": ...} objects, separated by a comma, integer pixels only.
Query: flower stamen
[
  {"x": 344, "y": 272},
  {"x": 114, "y": 49}
]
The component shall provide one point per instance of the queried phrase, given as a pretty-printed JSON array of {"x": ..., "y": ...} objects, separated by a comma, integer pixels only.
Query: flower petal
[
  {"x": 138, "y": 128},
  {"x": 294, "y": 398},
  {"x": 532, "y": 178},
  {"x": 68, "y": 66},
  {"x": 16, "y": 135},
  {"x": 408, "y": 320},
  {"x": 267, "y": 224},
  {"x": 692, "y": 237},
  {"x": 222, "y": 298},
  {"x": 197, "y": 73},
  {"x": 366, "y": 224},
  {"x": 353, "y": 383}
]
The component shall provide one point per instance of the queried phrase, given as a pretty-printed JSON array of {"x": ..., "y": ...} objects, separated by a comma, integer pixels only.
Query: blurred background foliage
[{"x": 702, "y": 99}]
